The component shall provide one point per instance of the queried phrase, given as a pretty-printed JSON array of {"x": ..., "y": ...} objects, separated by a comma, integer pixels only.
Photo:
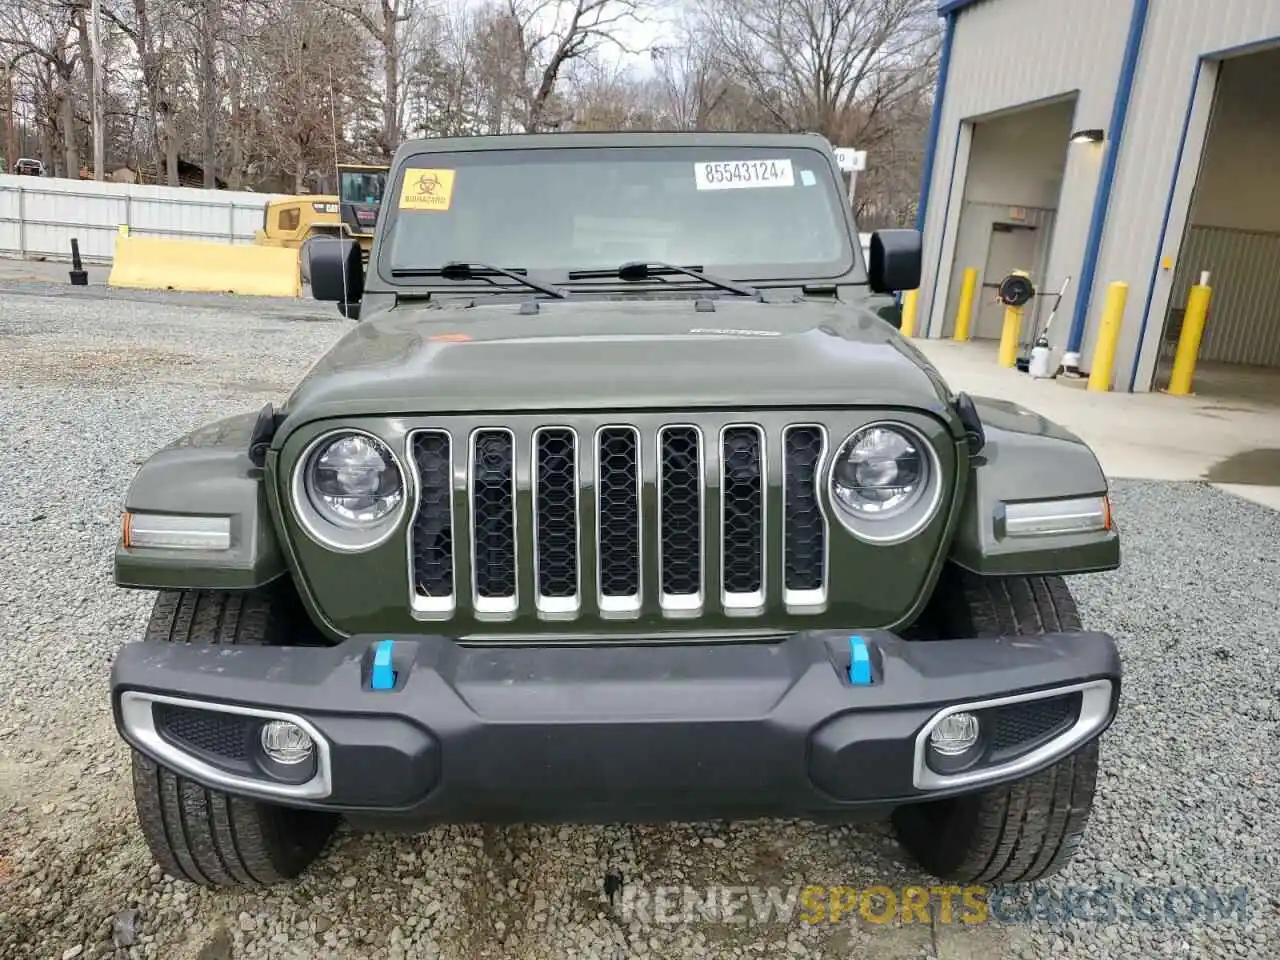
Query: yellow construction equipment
[
  {"x": 352, "y": 212},
  {"x": 158, "y": 263}
]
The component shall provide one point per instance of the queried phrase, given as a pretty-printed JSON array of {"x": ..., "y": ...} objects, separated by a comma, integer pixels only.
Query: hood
[{"x": 622, "y": 354}]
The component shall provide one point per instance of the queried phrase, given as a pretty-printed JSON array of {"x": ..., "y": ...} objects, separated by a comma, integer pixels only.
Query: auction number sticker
[
  {"x": 736, "y": 174},
  {"x": 426, "y": 189}
]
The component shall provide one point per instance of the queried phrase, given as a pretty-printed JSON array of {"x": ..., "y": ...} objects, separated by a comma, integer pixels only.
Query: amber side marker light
[
  {"x": 1038, "y": 518},
  {"x": 168, "y": 531}
]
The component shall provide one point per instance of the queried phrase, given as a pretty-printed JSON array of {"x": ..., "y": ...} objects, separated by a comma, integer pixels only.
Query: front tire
[
  {"x": 1029, "y": 829},
  {"x": 206, "y": 836}
]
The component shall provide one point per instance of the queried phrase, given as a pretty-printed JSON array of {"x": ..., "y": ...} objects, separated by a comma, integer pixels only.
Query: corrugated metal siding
[
  {"x": 40, "y": 215},
  {"x": 1244, "y": 313},
  {"x": 1178, "y": 33},
  {"x": 1013, "y": 52}
]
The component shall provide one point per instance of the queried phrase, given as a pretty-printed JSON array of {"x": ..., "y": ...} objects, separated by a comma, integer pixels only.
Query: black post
[{"x": 79, "y": 276}]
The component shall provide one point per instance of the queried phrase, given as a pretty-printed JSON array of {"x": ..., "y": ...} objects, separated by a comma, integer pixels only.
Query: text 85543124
[{"x": 743, "y": 173}]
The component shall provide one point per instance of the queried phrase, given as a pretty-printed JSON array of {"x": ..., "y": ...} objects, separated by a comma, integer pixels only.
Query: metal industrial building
[{"x": 1111, "y": 140}]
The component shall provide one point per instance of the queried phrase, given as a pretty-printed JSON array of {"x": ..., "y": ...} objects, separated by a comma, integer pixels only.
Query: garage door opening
[
  {"x": 1233, "y": 234},
  {"x": 1008, "y": 209}
]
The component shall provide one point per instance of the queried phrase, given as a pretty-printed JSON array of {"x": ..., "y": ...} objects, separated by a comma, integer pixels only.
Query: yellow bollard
[
  {"x": 964, "y": 316},
  {"x": 908, "y": 327},
  {"x": 1009, "y": 336},
  {"x": 1184, "y": 360},
  {"x": 1104, "y": 351}
]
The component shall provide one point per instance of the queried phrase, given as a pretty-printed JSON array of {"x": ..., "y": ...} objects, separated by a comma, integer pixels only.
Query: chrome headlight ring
[
  {"x": 324, "y": 524},
  {"x": 900, "y": 521}
]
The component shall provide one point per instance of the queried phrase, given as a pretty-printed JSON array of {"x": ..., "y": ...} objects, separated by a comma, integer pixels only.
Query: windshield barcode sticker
[{"x": 738, "y": 174}]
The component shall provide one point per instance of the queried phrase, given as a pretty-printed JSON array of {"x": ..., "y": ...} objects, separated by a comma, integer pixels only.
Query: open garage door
[
  {"x": 1233, "y": 234},
  {"x": 1008, "y": 208}
]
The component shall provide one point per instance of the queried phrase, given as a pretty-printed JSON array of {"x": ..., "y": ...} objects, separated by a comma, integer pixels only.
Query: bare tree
[
  {"x": 267, "y": 94},
  {"x": 394, "y": 25},
  {"x": 208, "y": 28},
  {"x": 136, "y": 19},
  {"x": 814, "y": 64},
  {"x": 692, "y": 84},
  {"x": 551, "y": 34},
  {"x": 603, "y": 96},
  {"x": 46, "y": 30}
]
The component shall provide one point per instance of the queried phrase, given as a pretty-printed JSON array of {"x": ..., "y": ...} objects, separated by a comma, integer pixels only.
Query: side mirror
[
  {"x": 337, "y": 273},
  {"x": 895, "y": 260}
]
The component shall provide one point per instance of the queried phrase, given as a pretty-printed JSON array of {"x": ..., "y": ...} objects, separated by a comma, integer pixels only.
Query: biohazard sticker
[{"x": 426, "y": 189}]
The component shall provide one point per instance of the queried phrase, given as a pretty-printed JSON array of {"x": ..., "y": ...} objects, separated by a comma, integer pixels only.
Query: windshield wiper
[
  {"x": 472, "y": 270},
  {"x": 644, "y": 269}
]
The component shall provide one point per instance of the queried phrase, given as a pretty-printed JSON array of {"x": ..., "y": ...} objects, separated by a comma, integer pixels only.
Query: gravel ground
[{"x": 94, "y": 380}]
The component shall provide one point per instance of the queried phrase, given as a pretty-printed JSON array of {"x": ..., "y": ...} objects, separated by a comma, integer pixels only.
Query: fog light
[
  {"x": 955, "y": 734},
  {"x": 286, "y": 742}
]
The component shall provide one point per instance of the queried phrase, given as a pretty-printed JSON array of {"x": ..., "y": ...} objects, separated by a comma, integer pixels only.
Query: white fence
[{"x": 40, "y": 215}]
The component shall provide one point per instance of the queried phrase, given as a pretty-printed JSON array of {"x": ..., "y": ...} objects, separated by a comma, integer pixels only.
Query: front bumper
[{"x": 621, "y": 732}]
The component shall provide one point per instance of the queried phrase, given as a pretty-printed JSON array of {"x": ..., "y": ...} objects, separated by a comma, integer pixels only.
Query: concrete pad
[{"x": 1231, "y": 442}]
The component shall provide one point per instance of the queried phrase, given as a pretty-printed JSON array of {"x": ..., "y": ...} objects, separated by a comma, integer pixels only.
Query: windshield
[
  {"x": 358, "y": 186},
  {"x": 739, "y": 212}
]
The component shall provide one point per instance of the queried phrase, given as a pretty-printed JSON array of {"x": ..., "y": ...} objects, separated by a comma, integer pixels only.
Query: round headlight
[
  {"x": 353, "y": 481},
  {"x": 880, "y": 472},
  {"x": 884, "y": 480}
]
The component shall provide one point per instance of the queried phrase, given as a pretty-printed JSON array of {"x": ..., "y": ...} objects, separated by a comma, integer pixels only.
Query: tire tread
[
  {"x": 1029, "y": 829},
  {"x": 206, "y": 836}
]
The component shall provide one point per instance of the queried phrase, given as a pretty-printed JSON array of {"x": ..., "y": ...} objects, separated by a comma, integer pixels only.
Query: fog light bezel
[
  {"x": 138, "y": 726},
  {"x": 1095, "y": 712}
]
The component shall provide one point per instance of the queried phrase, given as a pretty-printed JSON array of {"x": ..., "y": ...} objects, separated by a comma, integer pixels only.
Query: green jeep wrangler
[{"x": 623, "y": 500}]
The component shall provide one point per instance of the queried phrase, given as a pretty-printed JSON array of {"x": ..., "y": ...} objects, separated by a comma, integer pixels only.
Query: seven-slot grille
[{"x": 593, "y": 534}]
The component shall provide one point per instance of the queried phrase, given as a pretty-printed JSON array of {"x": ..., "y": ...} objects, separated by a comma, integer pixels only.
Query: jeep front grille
[
  {"x": 618, "y": 493},
  {"x": 493, "y": 521},
  {"x": 617, "y": 522}
]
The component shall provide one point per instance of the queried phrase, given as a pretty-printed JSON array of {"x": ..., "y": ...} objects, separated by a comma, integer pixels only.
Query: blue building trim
[
  {"x": 947, "y": 7},
  {"x": 1115, "y": 134},
  {"x": 935, "y": 121},
  {"x": 1238, "y": 50}
]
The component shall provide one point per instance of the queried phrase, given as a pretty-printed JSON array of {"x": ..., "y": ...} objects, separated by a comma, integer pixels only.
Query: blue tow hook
[
  {"x": 859, "y": 662},
  {"x": 383, "y": 677}
]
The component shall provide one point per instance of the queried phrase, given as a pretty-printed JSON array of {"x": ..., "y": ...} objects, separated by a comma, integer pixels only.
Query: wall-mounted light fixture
[{"x": 1088, "y": 136}]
